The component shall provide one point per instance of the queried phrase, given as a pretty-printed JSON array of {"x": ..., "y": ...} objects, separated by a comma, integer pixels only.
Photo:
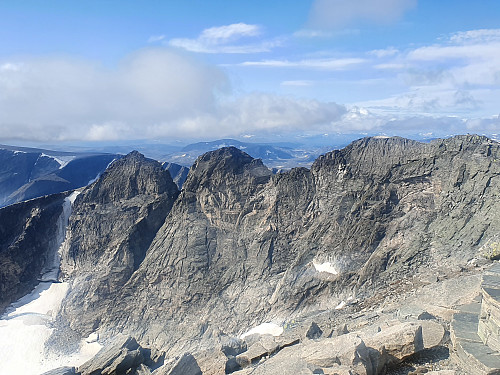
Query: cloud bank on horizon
[{"x": 239, "y": 78}]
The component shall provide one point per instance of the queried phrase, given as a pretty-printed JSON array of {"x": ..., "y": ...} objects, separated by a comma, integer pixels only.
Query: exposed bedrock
[{"x": 240, "y": 246}]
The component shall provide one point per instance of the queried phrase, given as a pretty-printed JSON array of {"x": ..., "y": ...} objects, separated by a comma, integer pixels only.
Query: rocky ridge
[
  {"x": 240, "y": 246},
  {"x": 28, "y": 235}
]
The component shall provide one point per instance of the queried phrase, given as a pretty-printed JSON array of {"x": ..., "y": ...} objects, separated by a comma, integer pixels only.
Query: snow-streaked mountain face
[
  {"x": 27, "y": 173},
  {"x": 241, "y": 247},
  {"x": 240, "y": 250},
  {"x": 26, "y": 327}
]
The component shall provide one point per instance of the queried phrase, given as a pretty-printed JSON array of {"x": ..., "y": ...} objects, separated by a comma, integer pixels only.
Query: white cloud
[
  {"x": 10, "y": 67},
  {"x": 326, "y": 64},
  {"x": 460, "y": 73},
  {"x": 314, "y": 33},
  {"x": 475, "y": 36},
  {"x": 229, "y": 32},
  {"x": 59, "y": 98},
  {"x": 386, "y": 52},
  {"x": 156, "y": 38},
  {"x": 155, "y": 92},
  {"x": 226, "y": 39},
  {"x": 298, "y": 83},
  {"x": 333, "y": 14}
]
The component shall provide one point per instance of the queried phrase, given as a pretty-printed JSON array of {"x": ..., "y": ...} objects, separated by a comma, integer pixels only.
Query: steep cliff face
[
  {"x": 113, "y": 223},
  {"x": 241, "y": 246},
  {"x": 28, "y": 233}
]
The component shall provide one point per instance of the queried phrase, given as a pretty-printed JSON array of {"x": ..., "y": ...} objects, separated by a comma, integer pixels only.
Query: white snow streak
[
  {"x": 326, "y": 267},
  {"x": 264, "y": 329},
  {"x": 62, "y": 160},
  {"x": 340, "y": 305},
  {"x": 25, "y": 328}
]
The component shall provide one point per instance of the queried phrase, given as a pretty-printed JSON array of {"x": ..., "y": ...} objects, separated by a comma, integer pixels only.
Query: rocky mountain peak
[
  {"x": 215, "y": 166},
  {"x": 129, "y": 176},
  {"x": 475, "y": 144}
]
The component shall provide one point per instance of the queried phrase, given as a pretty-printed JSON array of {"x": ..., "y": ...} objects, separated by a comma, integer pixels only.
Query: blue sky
[{"x": 113, "y": 70}]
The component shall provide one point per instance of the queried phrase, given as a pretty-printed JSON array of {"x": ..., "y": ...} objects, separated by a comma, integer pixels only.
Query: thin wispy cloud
[
  {"x": 315, "y": 33},
  {"x": 156, "y": 38},
  {"x": 235, "y": 38},
  {"x": 298, "y": 83},
  {"x": 324, "y": 64},
  {"x": 459, "y": 73}
]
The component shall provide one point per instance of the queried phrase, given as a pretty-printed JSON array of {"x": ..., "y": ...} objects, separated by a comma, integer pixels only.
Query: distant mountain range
[{"x": 27, "y": 173}]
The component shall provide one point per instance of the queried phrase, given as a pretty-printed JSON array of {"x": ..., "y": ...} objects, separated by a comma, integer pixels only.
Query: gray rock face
[
  {"x": 113, "y": 223},
  {"x": 241, "y": 246},
  {"x": 177, "y": 172},
  {"x": 61, "y": 371},
  {"x": 122, "y": 357},
  {"x": 27, "y": 236}
]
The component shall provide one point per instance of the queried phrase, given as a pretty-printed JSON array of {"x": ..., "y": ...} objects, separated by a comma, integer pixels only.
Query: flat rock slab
[
  {"x": 472, "y": 308},
  {"x": 432, "y": 333},
  {"x": 494, "y": 269},
  {"x": 479, "y": 358},
  {"x": 492, "y": 292},
  {"x": 491, "y": 281},
  {"x": 464, "y": 327},
  {"x": 61, "y": 371}
]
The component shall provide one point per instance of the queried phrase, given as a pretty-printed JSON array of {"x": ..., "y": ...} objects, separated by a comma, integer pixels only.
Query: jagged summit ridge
[
  {"x": 127, "y": 177},
  {"x": 216, "y": 166},
  {"x": 368, "y": 214}
]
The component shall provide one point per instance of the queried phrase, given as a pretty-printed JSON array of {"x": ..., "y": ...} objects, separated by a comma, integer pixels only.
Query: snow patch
[
  {"x": 93, "y": 337},
  {"x": 27, "y": 325},
  {"x": 264, "y": 329},
  {"x": 326, "y": 267},
  {"x": 62, "y": 160},
  {"x": 99, "y": 174},
  {"x": 340, "y": 305}
]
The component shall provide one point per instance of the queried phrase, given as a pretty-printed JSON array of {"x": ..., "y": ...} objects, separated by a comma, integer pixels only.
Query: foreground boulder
[
  {"x": 61, "y": 371},
  {"x": 123, "y": 355},
  {"x": 359, "y": 353}
]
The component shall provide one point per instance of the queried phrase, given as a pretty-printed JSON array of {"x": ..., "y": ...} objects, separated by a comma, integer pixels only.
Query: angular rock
[
  {"x": 142, "y": 370},
  {"x": 286, "y": 361},
  {"x": 121, "y": 355},
  {"x": 398, "y": 341},
  {"x": 61, "y": 371},
  {"x": 186, "y": 365},
  {"x": 346, "y": 350},
  {"x": 232, "y": 346},
  {"x": 432, "y": 333},
  {"x": 256, "y": 352},
  {"x": 314, "y": 332}
]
